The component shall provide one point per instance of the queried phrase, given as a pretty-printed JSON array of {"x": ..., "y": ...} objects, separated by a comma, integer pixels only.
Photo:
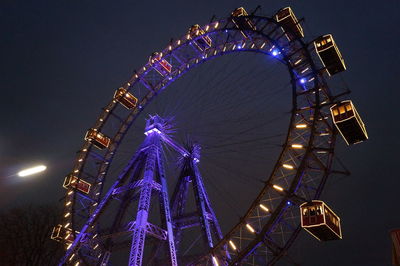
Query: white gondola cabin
[
  {"x": 62, "y": 234},
  {"x": 72, "y": 181},
  {"x": 202, "y": 43},
  {"x": 125, "y": 98},
  {"x": 320, "y": 221},
  {"x": 289, "y": 23},
  {"x": 348, "y": 122},
  {"x": 241, "y": 20},
  {"x": 329, "y": 54},
  {"x": 97, "y": 139},
  {"x": 160, "y": 64}
]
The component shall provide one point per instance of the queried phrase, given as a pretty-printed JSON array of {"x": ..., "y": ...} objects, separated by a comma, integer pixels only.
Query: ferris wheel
[{"x": 287, "y": 198}]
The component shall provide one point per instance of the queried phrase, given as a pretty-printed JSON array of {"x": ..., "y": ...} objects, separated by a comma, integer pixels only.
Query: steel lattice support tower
[
  {"x": 204, "y": 215},
  {"x": 153, "y": 165}
]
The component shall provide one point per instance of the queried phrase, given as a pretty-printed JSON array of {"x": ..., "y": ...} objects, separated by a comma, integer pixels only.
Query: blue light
[
  {"x": 239, "y": 46},
  {"x": 275, "y": 52},
  {"x": 289, "y": 203},
  {"x": 226, "y": 30},
  {"x": 303, "y": 80}
]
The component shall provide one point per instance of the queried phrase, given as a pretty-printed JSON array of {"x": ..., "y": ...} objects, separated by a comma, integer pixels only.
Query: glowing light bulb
[
  {"x": 288, "y": 166},
  {"x": 277, "y": 187},
  {"x": 251, "y": 229},
  {"x": 275, "y": 52},
  {"x": 297, "y": 146},
  {"x": 215, "y": 261},
  {"x": 264, "y": 208},
  {"x": 232, "y": 245},
  {"x": 301, "y": 126}
]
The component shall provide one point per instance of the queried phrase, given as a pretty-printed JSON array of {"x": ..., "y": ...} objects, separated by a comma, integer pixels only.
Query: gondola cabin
[
  {"x": 72, "y": 181},
  {"x": 97, "y": 139},
  {"x": 289, "y": 23},
  {"x": 202, "y": 43},
  {"x": 62, "y": 234},
  {"x": 329, "y": 54},
  {"x": 125, "y": 98},
  {"x": 320, "y": 221},
  {"x": 242, "y": 21},
  {"x": 160, "y": 64},
  {"x": 348, "y": 122}
]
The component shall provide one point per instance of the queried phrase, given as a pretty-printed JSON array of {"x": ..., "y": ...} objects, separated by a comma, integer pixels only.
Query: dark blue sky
[{"x": 60, "y": 62}]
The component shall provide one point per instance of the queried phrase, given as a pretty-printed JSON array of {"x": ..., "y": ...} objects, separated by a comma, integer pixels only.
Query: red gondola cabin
[
  {"x": 62, "y": 234},
  {"x": 71, "y": 181},
  {"x": 348, "y": 122},
  {"x": 289, "y": 23},
  {"x": 160, "y": 64},
  {"x": 329, "y": 54},
  {"x": 97, "y": 139},
  {"x": 241, "y": 20},
  {"x": 202, "y": 43},
  {"x": 125, "y": 98},
  {"x": 320, "y": 221}
]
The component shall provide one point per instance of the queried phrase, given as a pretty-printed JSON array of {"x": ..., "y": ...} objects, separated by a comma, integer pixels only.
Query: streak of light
[{"x": 32, "y": 171}]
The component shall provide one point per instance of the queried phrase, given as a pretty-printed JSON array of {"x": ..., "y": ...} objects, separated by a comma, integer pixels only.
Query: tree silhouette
[{"x": 25, "y": 236}]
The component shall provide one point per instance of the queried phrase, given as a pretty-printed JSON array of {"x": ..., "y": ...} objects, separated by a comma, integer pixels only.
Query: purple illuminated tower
[
  {"x": 153, "y": 167},
  {"x": 203, "y": 215},
  {"x": 144, "y": 181}
]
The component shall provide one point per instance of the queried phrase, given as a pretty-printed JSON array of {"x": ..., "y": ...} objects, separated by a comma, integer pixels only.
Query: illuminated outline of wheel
[{"x": 271, "y": 224}]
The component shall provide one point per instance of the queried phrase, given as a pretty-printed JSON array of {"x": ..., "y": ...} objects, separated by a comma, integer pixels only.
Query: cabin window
[
  {"x": 331, "y": 218},
  {"x": 318, "y": 45},
  {"x": 319, "y": 210},
  {"x": 348, "y": 107},
  {"x": 312, "y": 212},
  {"x": 335, "y": 112},
  {"x": 329, "y": 40},
  {"x": 341, "y": 110}
]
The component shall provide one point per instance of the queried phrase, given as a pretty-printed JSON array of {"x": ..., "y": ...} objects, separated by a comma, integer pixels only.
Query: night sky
[{"x": 62, "y": 60}]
